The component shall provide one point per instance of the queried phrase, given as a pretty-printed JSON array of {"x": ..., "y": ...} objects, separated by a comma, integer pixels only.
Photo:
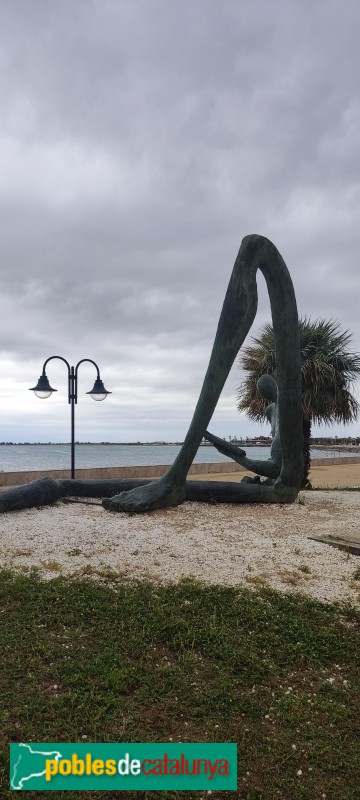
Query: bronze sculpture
[{"x": 236, "y": 318}]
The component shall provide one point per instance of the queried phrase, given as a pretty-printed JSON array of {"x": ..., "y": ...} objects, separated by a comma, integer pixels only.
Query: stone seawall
[
  {"x": 102, "y": 473},
  {"x": 155, "y": 471}
]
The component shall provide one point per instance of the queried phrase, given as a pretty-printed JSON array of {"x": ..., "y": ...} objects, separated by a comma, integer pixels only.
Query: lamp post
[{"x": 44, "y": 390}]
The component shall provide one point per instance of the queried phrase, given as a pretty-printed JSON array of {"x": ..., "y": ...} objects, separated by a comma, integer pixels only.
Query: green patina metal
[{"x": 237, "y": 315}]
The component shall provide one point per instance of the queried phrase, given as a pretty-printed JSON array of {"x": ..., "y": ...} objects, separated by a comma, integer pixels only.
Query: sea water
[{"x": 19, "y": 457}]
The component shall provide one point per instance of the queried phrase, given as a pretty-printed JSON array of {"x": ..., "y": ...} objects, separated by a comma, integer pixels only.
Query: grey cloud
[{"x": 138, "y": 143}]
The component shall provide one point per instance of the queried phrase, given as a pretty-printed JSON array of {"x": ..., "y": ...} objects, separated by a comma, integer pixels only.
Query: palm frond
[{"x": 328, "y": 369}]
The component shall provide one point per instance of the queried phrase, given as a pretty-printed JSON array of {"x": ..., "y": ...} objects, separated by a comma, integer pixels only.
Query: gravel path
[{"x": 226, "y": 544}]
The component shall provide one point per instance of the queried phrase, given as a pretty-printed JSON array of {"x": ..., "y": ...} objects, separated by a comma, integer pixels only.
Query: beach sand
[{"x": 333, "y": 476}]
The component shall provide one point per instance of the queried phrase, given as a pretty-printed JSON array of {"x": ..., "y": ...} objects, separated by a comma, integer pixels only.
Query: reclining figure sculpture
[
  {"x": 285, "y": 468},
  {"x": 237, "y": 316}
]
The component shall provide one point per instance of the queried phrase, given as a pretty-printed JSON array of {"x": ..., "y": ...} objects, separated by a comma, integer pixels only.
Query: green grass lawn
[{"x": 277, "y": 674}]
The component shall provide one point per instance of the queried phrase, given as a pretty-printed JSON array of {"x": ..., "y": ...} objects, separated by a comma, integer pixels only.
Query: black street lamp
[{"x": 44, "y": 390}]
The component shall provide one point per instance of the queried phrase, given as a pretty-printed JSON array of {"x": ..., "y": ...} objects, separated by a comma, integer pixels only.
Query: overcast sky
[{"x": 140, "y": 140}]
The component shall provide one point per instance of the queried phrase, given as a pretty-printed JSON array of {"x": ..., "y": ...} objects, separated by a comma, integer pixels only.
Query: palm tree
[{"x": 328, "y": 369}]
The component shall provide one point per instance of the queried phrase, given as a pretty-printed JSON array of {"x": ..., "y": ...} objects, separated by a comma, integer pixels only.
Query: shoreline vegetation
[{"x": 352, "y": 445}]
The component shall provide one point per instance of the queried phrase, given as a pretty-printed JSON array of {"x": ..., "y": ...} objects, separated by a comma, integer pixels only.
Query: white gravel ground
[{"x": 224, "y": 544}]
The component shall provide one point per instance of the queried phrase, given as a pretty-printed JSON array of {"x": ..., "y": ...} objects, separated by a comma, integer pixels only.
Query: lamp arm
[
  {"x": 61, "y": 359},
  {"x": 70, "y": 388},
  {"x": 91, "y": 362},
  {"x": 76, "y": 371}
]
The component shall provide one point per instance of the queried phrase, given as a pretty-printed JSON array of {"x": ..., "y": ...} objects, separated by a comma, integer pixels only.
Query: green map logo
[
  {"x": 27, "y": 764},
  {"x": 122, "y": 766}
]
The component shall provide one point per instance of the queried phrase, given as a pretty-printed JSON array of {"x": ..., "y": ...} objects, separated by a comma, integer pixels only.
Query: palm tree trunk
[{"x": 306, "y": 451}]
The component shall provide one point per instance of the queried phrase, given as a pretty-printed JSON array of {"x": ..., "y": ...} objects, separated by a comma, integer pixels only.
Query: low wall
[
  {"x": 322, "y": 462},
  {"x": 155, "y": 471},
  {"x": 102, "y": 473}
]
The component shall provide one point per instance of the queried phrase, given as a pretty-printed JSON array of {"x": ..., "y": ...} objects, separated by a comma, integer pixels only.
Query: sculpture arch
[{"x": 237, "y": 315}]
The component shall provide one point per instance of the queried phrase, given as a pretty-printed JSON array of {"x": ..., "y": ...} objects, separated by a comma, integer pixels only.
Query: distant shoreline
[{"x": 340, "y": 448}]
